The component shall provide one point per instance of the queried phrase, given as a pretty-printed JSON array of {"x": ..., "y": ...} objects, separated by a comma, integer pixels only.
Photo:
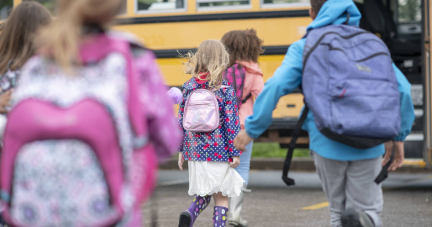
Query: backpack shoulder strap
[{"x": 291, "y": 147}]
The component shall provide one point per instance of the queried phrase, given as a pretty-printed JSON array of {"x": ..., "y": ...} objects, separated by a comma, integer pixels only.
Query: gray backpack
[{"x": 350, "y": 86}]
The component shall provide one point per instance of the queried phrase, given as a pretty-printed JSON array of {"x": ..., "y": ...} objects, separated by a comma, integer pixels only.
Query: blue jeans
[{"x": 244, "y": 167}]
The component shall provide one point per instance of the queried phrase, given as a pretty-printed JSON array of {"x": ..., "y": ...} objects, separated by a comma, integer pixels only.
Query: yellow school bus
[{"x": 170, "y": 27}]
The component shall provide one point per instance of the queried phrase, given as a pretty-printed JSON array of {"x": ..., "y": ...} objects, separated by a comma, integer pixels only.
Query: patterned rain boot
[
  {"x": 188, "y": 217},
  {"x": 220, "y": 216}
]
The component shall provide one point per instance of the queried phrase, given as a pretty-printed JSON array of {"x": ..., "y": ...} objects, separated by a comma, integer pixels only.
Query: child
[
  {"x": 16, "y": 44},
  {"x": 212, "y": 156},
  {"x": 89, "y": 91},
  {"x": 347, "y": 174},
  {"x": 244, "y": 48}
]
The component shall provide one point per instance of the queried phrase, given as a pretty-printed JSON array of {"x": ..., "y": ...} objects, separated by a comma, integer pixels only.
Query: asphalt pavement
[{"x": 407, "y": 201}]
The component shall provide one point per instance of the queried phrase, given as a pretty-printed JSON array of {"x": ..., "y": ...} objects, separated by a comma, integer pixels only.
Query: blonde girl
[{"x": 212, "y": 156}]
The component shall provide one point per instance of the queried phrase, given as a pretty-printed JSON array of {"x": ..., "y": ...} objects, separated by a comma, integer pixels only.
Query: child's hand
[
  {"x": 180, "y": 161},
  {"x": 242, "y": 140},
  {"x": 4, "y": 101},
  {"x": 399, "y": 154},
  {"x": 235, "y": 162}
]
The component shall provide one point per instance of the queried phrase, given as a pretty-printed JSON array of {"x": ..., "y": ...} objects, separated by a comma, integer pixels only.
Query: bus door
[
  {"x": 427, "y": 81},
  {"x": 398, "y": 24}
]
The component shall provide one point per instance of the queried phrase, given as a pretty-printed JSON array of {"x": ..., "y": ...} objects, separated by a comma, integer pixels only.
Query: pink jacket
[{"x": 254, "y": 84}]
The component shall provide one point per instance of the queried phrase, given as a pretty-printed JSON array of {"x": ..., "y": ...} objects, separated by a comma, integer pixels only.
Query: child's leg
[
  {"x": 332, "y": 176},
  {"x": 220, "y": 210},
  {"x": 188, "y": 217},
  {"x": 362, "y": 193},
  {"x": 220, "y": 200},
  {"x": 236, "y": 203}
]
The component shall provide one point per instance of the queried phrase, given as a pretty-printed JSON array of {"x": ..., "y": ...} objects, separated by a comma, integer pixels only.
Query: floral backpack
[{"x": 75, "y": 147}]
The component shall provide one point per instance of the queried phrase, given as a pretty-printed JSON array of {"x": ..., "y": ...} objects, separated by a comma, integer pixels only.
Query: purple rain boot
[
  {"x": 188, "y": 217},
  {"x": 220, "y": 216}
]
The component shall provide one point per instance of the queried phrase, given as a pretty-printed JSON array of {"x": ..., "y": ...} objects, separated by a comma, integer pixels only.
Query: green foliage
[
  {"x": 273, "y": 150},
  {"x": 5, "y": 6},
  {"x": 409, "y": 10}
]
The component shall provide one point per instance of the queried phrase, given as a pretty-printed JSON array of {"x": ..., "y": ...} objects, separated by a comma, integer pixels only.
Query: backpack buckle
[
  {"x": 140, "y": 142},
  {"x": 4, "y": 196}
]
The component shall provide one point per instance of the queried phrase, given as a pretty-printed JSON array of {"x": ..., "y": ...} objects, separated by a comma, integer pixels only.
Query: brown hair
[
  {"x": 61, "y": 39},
  {"x": 210, "y": 57},
  {"x": 243, "y": 45},
  {"x": 316, "y": 5},
  {"x": 16, "y": 38}
]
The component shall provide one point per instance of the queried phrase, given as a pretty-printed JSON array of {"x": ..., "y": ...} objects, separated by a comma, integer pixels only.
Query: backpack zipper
[
  {"x": 323, "y": 36},
  {"x": 361, "y": 60}
]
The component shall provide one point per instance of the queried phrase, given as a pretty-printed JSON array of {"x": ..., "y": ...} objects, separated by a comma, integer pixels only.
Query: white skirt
[{"x": 208, "y": 178}]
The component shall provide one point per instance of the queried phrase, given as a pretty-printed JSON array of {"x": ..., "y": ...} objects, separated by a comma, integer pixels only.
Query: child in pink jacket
[{"x": 244, "y": 48}]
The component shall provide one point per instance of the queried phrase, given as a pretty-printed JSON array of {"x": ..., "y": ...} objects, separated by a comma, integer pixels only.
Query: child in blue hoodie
[{"x": 347, "y": 174}]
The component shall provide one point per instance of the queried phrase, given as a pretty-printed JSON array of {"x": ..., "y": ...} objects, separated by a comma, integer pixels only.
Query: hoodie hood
[
  {"x": 335, "y": 12},
  {"x": 251, "y": 67}
]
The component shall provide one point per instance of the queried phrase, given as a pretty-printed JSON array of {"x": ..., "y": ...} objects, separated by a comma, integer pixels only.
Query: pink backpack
[
  {"x": 201, "y": 112},
  {"x": 235, "y": 75},
  {"x": 75, "y": 148}
]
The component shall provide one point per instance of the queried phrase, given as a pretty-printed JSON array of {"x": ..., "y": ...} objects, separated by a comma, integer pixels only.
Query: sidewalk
[{"x": 297, "y": 164}]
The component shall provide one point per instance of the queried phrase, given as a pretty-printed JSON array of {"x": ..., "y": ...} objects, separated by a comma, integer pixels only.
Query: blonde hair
[
  {"x": 18, "y": 32},
  {"x": 210, "y": 57},
  {"x": 61, "y": 39}
]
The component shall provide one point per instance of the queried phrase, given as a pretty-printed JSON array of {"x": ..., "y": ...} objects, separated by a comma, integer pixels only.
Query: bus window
[
  {"x": 5, "y": 8},
  {"x": 160, "y": 5},
  {"x": 409, "y": 11},
  {"x": 284, "y": 3},
  {"x": 49, "y": 4},
  {"x": 207, "y": 5}
]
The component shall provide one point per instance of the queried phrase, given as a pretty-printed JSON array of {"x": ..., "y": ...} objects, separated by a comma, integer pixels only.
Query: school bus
[{"x": 174, "y": 27}]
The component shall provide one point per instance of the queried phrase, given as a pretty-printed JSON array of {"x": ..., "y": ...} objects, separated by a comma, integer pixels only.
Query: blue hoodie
[{"x": 289, "y": 76}]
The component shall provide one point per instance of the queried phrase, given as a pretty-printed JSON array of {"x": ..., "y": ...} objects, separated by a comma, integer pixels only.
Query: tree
[{"x": 409, "y": 10}]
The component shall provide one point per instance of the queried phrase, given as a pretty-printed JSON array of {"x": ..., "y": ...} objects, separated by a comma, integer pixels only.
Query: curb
[{"x": 297, "y": 164}]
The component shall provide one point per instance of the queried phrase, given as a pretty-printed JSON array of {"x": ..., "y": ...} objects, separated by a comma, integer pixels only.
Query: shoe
[
  {"x": 353, "y": 218},
  {"x": 220, "y": 216},
  {"x": 199, "y": 203},
  {"x": 185, "y": 219},
  {"x": 235, "y": 205}
]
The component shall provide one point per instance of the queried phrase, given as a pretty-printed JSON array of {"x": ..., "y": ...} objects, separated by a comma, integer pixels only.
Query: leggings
[{"x": 244, "y": 167}]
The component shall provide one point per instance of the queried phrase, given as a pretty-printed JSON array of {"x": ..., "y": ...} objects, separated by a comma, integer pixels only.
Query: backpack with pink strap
[
  {"x": 76, "y": 149},
  {"x": 201, "y": 111},
  {"x": 236, "y": 75}
]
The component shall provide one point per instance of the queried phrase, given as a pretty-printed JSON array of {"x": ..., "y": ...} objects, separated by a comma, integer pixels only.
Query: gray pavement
[{"x": 407, "y": 200}]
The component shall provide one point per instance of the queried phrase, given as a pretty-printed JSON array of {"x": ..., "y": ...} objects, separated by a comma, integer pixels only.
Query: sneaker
[
  {"x": 185, "y": 219},
  {"x": 241, "y": 223},
  {"x": 353, "y": 218}
]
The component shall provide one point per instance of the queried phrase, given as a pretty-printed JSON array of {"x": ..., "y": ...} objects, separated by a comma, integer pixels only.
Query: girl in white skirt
[{"x": 211, "y": 153}]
